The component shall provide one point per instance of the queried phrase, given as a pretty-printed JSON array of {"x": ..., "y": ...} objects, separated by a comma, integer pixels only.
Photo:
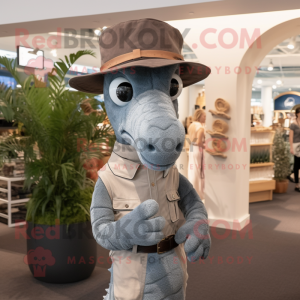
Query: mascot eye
[
  {"x": 175, "y": 87},
  {"x": 120, "y": 91}
]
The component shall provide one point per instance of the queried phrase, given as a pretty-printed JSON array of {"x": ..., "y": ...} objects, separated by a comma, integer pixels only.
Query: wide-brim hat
[{"x": 140, "y": 43}]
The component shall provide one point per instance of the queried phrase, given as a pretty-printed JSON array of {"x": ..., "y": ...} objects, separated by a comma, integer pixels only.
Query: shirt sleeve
[{"x": 292, "y": 126}]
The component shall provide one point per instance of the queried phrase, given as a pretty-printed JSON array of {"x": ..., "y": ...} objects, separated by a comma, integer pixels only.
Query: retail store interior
[{"x": 250, "y": 101}]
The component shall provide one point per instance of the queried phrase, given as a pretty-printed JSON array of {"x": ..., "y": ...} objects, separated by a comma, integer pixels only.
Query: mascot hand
[
  {"x": 144, "y": 229},
  {"x": 197, "y": 240}
]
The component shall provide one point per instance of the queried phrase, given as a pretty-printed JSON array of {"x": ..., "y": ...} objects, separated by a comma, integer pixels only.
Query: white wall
[
  {"x": 183, "y": 109},
  {"x": 267, "y": 104}
]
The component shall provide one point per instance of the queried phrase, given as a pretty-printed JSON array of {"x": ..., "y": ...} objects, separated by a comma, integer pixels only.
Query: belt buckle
[{"x": 168, "y": 238}]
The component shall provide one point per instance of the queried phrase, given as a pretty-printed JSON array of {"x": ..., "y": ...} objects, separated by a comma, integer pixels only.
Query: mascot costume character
[{"x": 143, "y": 210}]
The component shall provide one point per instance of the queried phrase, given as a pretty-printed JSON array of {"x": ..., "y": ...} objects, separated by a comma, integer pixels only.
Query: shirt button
[
  {"x": 152, "y": 183},
  {"x": 173, "y": 196},
  {"x": 126, "y": 205}
]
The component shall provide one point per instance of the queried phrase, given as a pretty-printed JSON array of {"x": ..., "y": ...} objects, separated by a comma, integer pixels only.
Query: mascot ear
[
  {"x": 175, "y": 104},
  {"x": 180, "y": 87},
  {"x": 176, "y": 86}
]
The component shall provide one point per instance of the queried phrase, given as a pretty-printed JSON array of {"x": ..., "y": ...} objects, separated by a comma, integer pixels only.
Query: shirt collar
[
  {"x": 124, "y": 161},
  {"x": 126, "y": 151}
]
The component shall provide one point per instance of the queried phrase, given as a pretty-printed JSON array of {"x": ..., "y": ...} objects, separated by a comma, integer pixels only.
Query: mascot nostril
[
  {"x": 148, "y": 214},
  {"x": 179, "y": 147},
  {"x": 151, "y": 148}
]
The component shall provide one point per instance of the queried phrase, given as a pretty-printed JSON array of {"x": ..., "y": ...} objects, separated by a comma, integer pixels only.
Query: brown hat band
[{"x": 138, "y": 53}]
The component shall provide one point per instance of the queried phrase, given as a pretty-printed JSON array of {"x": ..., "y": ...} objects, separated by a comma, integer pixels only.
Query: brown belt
[{"x": 165, "y": 245}]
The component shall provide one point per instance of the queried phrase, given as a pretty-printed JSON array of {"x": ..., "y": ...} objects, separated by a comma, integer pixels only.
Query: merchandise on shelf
[
  {"x": 260, "y": 156},
  {"x": 220, "y": 126},
  {"x": 222, "y": 105}
]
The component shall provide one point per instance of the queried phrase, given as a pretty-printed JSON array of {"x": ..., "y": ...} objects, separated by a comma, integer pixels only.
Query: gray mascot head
[{"x": 141, "y": 77}]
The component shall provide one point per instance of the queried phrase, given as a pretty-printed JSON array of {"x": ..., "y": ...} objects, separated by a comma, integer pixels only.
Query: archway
[{"x": 254, "y": 56}]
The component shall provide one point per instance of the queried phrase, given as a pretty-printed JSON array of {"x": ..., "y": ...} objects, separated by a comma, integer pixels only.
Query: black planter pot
[{"x": 61, "y": 253}]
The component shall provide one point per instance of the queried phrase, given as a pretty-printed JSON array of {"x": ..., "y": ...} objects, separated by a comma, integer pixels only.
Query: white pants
[{"x": 195, "y": 169}]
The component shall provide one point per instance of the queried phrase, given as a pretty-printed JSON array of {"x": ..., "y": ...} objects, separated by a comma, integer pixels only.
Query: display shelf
[
  {"x": 261, "y": 173},
  {"x": 261, "y": 190},
  {"x": 4, "y": 216},
  {"x": 255, "y": 130},
  {"x": 261, "y": 137},
  {"x": 261, "y": 165},
  {"x": 259, "y": 145},
  {"x": 9, "y": 201},
  {"x": 12, "y": 179},
  {"x": 261, "y": 184},
  {"x": 261, "y": 196}
]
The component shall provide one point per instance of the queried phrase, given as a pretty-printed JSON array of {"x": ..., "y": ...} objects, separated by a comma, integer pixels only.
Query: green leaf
[
  {"x": 49, "y": 192},
  {"x": 58, "y": 201},
  {"x": 55, "y": 175},
  {"x": 83, "y": 208},
  {"x": 35, "y": 208},
  {"x": 281, "y": 157},
  {"x": 64, "y": 173}
]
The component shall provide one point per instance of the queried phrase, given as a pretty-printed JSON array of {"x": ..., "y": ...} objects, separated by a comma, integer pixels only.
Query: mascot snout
[{"x": 154, "y": 130}]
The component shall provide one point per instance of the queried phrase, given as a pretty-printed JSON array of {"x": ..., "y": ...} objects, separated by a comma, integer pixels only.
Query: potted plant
[
  {"x": 57, "y": 139},
  {"x": 281, "y": 162}
]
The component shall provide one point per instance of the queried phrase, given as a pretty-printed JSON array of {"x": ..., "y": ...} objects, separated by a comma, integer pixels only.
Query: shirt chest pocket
[
  {"x": 122, "y": 207},
  {"x": 173, "y": 198}
]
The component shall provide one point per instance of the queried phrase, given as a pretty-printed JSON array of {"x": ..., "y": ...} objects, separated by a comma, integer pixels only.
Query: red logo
[
  {"x": 35, "y": 63},
  {"x": 40, "y": 258}
]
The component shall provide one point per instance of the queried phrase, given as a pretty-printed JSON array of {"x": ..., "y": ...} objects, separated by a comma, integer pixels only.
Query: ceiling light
[
  {"x": 259, "y": 81},
  {"x": 290, "y": 89},
  {"x": 291, "y": 44},
  {"x": 97, "y": 31},
  {"x": 279, "y": 82},
  {"x": 271, "y": 66},
  {"x": 274, "y": 87},
  {"x": 253, "y": 89}
]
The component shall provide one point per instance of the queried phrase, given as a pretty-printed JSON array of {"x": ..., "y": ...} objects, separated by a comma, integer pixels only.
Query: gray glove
[
  {"x": 135, "y": 228},
  {"x": 197, "y": 240},
  {"x": 195, "y": 232}
]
